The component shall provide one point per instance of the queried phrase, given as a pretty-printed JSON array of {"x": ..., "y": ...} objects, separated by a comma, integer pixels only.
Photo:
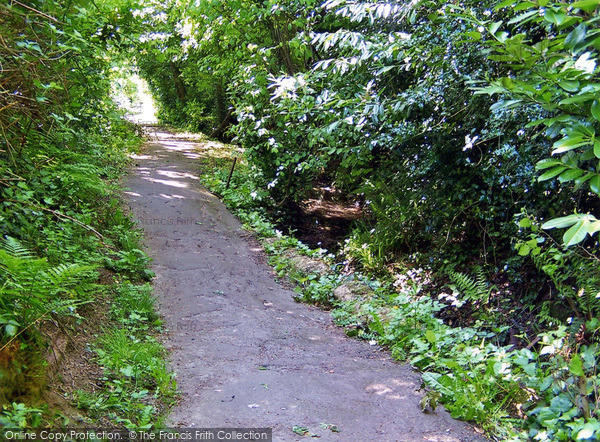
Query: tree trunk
[{"x": 178, "y": 82}]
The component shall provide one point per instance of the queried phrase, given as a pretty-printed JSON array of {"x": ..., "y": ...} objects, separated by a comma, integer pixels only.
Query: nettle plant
[{"x": 551, "y": 52}]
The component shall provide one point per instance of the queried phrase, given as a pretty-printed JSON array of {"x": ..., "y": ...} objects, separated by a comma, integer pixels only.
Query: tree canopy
[{"x": 466, "y": 131}]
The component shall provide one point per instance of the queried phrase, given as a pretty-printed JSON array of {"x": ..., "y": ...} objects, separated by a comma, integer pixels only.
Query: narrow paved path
[{"x": 246, "y": 354}]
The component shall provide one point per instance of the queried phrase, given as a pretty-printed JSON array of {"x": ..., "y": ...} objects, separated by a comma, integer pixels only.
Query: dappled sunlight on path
[{"x": 246, "y": 354}]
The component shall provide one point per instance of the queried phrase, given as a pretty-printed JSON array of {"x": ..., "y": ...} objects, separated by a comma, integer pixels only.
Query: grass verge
[{"x": 79, "y": 333}]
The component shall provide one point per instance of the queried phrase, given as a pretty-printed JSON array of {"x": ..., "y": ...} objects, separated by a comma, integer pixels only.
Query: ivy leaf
[
  {"x": 576, "y": 366},
  {"x": 588, "y": 431},
  {"x": 561, "y": 403}
]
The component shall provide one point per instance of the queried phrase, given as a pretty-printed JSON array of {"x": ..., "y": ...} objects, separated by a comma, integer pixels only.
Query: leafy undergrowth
[
  {"x": 80, "y": 334},
  {"x": 137, "y": 384},
  {"x": 72, "y": 275},
  {"x": 546, "y": 390}
]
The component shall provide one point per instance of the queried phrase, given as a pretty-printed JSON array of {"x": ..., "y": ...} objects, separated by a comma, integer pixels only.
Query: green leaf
[
  {"x": 552, "y": 173},
  {"x": 586, "y": 5},
  {"x": 10, "y": 329},
  {"x": 595, "y": 109},
  {"x": 569, "y": 85},
  {"x": 524, "y": 250},
  {"x": 588, "y": 176},
  {"x": 501, "y": 368},
  {"x": 524, "y": 5},
  {"x": 575, "y": 37},
  {"x": 430, "y": 336},
  {"x": 597, "y": 148},
  {"x": 501, "y": 36},
  {"x": 570, "y": 175},
  {"x": 300, "y": 430},
  {"x": 495, "y": 27},
  {"x": 576, "y": 366},
  {"x": 547, "y": 163},
  {"x": 561, "y": 403},
  {"x": 523, "y": 18},
  {"x": 587, "y": 432},
  {"x": 559, "y": 223},
  {"x": 568, "y": 143},
  {"x": 505, "y": 104},
  {"x": 474, "y": 35},
  {"x": 504, "y": 4},
  {"x": 595, "y": 184},
  {"x": 576, "y": 233},
  {"x": 490, "y": 90},
  {"x": 532, "y": 243},
  {"x": 507, "y": 83},
  {"x": 556, "y": 17},
  {"x": 579, "y": 98},
  {"x": 127, "y": 371},
  {"x": 525, "y": 222}
]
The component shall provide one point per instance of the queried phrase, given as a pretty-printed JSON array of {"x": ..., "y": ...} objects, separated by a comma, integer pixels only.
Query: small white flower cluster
[
  {"x": 413, "y": 278},
  {"x": 286, "y": 87},
  {"x": 452, "y": 299}
]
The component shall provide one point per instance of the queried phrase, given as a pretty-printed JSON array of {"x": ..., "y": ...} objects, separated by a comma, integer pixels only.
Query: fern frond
[
  {"x": 65, "y": 274},
  {"x": 83, "y": 169},
  {"x": 472, "y": 288},
  {"x": 18, "y": 263},
  {"x": 30, "y": 288},
  {"x": 15, "y": 249}
]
